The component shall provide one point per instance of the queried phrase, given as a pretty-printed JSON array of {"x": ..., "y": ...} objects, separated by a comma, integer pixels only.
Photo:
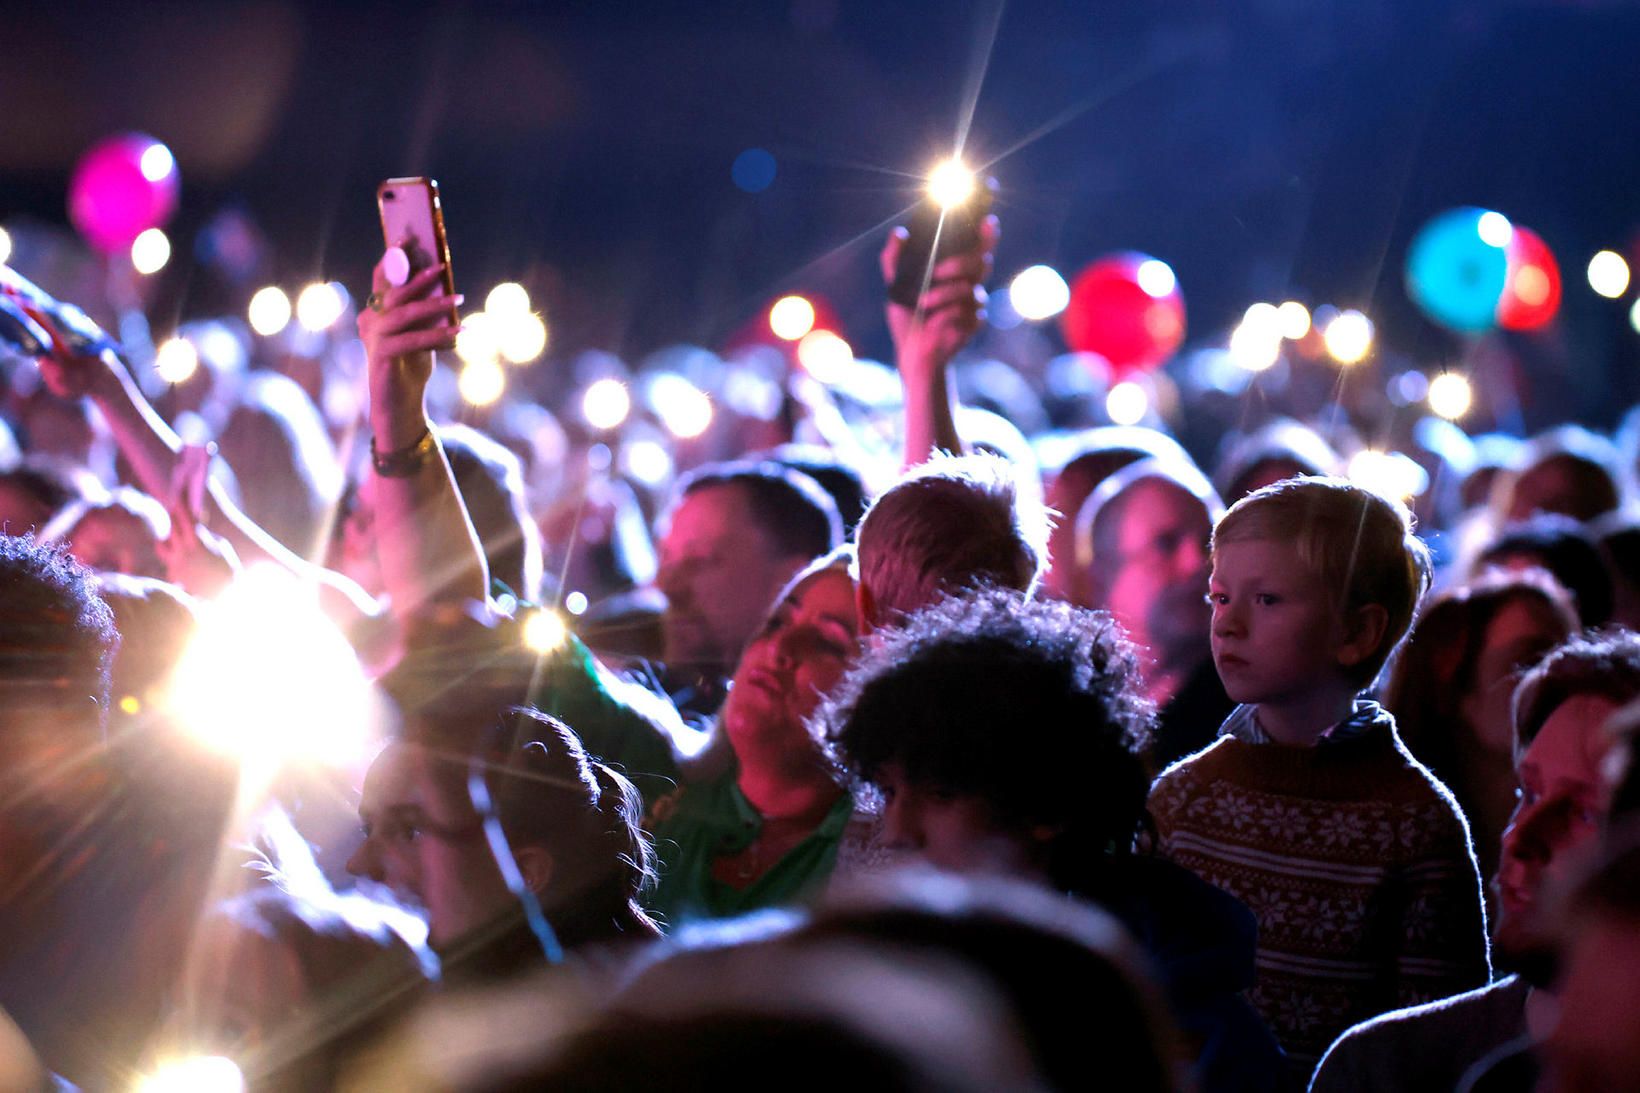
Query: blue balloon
[
  {"x": 753, "y": 170},
  {"x": 1457, "y": 268}
]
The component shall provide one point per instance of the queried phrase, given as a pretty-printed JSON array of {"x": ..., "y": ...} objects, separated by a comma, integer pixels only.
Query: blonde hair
[{"x": 1361, "y": 545}]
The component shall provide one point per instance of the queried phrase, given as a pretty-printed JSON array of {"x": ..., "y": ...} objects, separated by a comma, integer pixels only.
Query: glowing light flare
[
  {"x": 1156, "y": 277},
  {"x": 176, "y": 360},
  {"x": 196, "y": 1074},
  {"x": 1348, "y": 337},
  {"x": 544, "y": 631},
  {"x": 1388, "y": 474},
  {"x": 5, "y": 246},
  {"x": 791, "y": 317},
  {"x": 157, "y": 163},
  {"x": 1634, "y": 316},
  {"x": 1127, "y": 403},
  {"x": 648, "y": 461},
  {"x": 951, "y": 183},
  {"x": 606, "y": 404},
  {"x": 824, "y": 355},
  {"x": 478, "y": 340},
  {"x": 1295, "y": 320},
  {"x": 320, "y": 305},
  {"x": 576, "y": 603},
  {"x": 130, "y": 705},
  {"x": 508, "y": 298},
  {"x": 269, "y": 311},
  {"x": 520, "y": 337},
  {"x": 682, "y": 407},
  {"x": 150, "y": 251},
  {"x": 1608, "y": 274},
  {"x": 1494, "y": 229},
  {"x": 482, "y": 382},
  {"x": 1038, "y": 293},
  {"x": 267, "y": 677},
  {"x": 1255, "y": 347},
  {"x": 1450, "y": 395}
]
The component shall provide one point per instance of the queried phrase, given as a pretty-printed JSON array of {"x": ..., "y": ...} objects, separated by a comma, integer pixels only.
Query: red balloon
[
  {"x": 123, "y": 186},
  {"x": 1531, "y": 290},
  {"x": 1127, "y": 308}
]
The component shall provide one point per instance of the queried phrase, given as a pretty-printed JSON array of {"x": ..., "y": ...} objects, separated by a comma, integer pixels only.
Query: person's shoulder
[{"x": 1205, "y": 763}]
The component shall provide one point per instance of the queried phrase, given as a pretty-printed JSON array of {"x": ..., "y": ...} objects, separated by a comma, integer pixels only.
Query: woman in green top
[{"x": 767, "y": 831}]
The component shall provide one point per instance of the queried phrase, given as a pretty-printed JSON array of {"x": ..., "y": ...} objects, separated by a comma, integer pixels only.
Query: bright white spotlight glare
[
  {"x": 1156, "y": 278},
  {"x": 1264, "y": 321},
  {"x": 197, "y": 1074},
  {"x": 950, "y": 184},
  {"x": 1609, "y": 274},
  {"x": 269, "y": 678},
  {"x": 176, "y": 360},
  {"x": 478, "y": 340},
  {"x": 544, "y": 631},
  {"x": 1634, "y": 316},
  {"x": 606, "y": 404},
  {"x": 824, "y": 355},
  {"x": 157, "y": 162},
  {"x": 522, "y": 337},
  {"x": 1494, "y": 229},
  {"x": 576, "y": 603},
  {"x": 5, "y": 246},
  {"x": 269, "y": 311},
  {"x": 682, "y": 407},
  {"x": 1127, "y": 403},
  {"x": 1295, "y": 320},
  {"x": 1039, "y": 293},
  {"x": 1253, "y": 347},
  {"x": 1348, "y": 337},
  {"x": 648, "y": 462},
  {"x": 320, "y": 305},
  {"x": 1388, "y": 474},
  {"x": 791, "y": 317},
  {"x": 508, "y": 298},
  {"x": 482, "y": 382},
  {"x": 1450, "y": 395},
  {"x": 150, "y": 251}
]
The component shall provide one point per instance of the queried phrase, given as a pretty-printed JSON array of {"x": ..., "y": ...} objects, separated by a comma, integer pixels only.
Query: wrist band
[{"x": 402, "y": 462}]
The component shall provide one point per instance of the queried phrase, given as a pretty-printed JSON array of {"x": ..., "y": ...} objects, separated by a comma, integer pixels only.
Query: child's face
[{"x": 1276, "y": 634}]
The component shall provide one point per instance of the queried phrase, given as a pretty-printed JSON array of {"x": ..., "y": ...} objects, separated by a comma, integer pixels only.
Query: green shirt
[{"x": 702, "y": 822}]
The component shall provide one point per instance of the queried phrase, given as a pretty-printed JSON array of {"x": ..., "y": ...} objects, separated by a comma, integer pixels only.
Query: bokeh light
[
  {"x": 1295, "y": 320},
  {"x": 682, "y": 407},
  {"x": 150, "y": 251},
  {"x": 1255, "y": 346},
  {"x": 1634, "y": 316},
  {"x": 521, "y": 338},
  {"x": 478, "y": 340},
  {"x": 606, "y": 404},
  {"x": 1038, "y": 293},
  {"x": 157, "y": 162},
  {"x": 791, "y": 317},
  {"x": 1388, "y": 474},
  {"x": 176, "y": 360},
  {"x": 320, "y": 305},
  {"x": 1609, "y": 274},
  {"x": 1451, "y": 395},
  {"x": 508, "y": 298},
  {"x": 269, "y": 311},
  {"x": 576, "y": 603},
  {"x": 951, "y": 183},
  {"x": 482, "y": 382},
  {"x": 1494, "y": 229},
  {"x": 1127, "y": 403},
  {"x": 5, "y": 245},
  {"x": 269, "y": 678},
  {"x": 195, "y": 1074},
  {"x": 1156, "y": 277},
  {"x": 1348, "y": 337},
  {"x": 648, "y": 461},
  {"x": 753, "y": 170},
  {"x": 544, "y": 631},
  {"x": 824, "y": 355}
]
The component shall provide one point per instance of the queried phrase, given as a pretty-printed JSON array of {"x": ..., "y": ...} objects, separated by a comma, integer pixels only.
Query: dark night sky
[{"x": 1265, "y": 148}]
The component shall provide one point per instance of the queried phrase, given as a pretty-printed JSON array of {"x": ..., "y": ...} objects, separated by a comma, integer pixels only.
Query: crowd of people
[{"x": 1133, "y": 767}]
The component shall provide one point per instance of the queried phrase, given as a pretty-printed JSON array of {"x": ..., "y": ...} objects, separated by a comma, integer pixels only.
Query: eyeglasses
[{"x": 60, "y": 326}]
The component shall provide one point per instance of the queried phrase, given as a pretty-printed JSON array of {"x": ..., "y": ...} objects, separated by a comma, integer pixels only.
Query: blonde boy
[{"x": 1308, "y": 807}]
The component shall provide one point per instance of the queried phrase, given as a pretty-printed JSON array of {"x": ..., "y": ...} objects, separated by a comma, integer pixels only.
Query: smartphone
[
  {"x": 937, "y": 233},
  {"x": 413, "y": 219}
]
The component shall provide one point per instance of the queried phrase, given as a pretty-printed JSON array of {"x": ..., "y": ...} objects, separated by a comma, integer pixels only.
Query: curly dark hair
[
  {"x": 1032, "y": 706},
  {"x": 57, "y": 636}
]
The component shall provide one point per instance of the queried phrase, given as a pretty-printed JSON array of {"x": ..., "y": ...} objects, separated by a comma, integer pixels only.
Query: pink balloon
[{"x": 123, "y": 186}]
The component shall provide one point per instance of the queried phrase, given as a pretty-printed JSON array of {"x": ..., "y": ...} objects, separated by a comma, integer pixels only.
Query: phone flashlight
[{"x": 955, "y": 201}]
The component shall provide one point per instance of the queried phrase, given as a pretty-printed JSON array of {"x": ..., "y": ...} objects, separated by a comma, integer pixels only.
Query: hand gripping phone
[
  {"x": 944, "y": 222},
  {"x": 413, "y": 220}
]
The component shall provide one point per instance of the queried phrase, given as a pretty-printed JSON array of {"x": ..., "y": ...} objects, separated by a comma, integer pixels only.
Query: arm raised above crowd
[
  {"x": 154, "y": 451},
  {"x": 425, "y": 541},
  {"x": 926, "y": 338}
]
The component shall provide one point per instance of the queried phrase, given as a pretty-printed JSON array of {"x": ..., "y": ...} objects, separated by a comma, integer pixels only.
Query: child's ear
[{"x": 1364, "y": 630}]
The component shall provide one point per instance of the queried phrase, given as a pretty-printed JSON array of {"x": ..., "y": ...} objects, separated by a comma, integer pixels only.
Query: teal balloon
[{"x": 1455, "y": 276}]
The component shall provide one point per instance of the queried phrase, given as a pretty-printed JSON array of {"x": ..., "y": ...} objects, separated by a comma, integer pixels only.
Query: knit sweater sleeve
[{"x": 1443, "y": 938}]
